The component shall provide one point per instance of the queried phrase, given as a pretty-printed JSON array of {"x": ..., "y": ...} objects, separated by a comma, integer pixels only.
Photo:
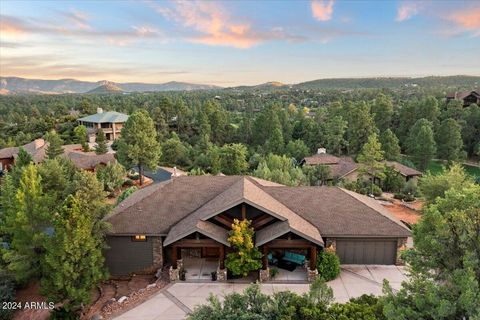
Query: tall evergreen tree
[
  {"x": 26, "y": 224},
  {"x": 138, "y": 145},
  {"x": 449, "y": 140},
  {"x": 382, "y": 111},
  {"x": 390, "y": 145},
  {"x": 233, "y": 159},
  {"x": 334, "y": 134},
  {"x": 421, "y": 144},
  {"x": 360, "y": 127},
  {"x": 73, "y": 263},
  {"x": 81, "y": 136},
  {"x": 370, "y": 159},
  {"x": 275, "y": 143},
  {"x": 54, "y": 148},
  {"x": 101, "y": 147},
  {"x": 23, "y": 158}
]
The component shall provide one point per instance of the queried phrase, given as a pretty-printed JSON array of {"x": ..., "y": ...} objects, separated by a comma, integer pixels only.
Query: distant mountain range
[{"x": 15, "y": 85}]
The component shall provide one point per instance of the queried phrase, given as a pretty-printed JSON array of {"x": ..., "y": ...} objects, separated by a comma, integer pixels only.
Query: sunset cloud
[
  {"x": 322, "y": 10},
  {"x": 78, "y": 18},
  {"x": 214, "y": 25},
  {"x": 466, "y": 20},
  {"x": 11, "y": 26},
  {"x": 406, "y": 10}
]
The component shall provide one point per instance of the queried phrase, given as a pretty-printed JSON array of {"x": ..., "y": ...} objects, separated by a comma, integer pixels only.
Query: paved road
[{"x": 179, "y": 299}]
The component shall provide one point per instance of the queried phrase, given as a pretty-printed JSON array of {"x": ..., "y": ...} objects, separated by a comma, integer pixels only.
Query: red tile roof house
[{"x": 191, "y": 216}]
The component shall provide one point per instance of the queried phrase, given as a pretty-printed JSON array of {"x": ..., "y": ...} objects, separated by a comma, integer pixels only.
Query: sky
[{"x": 233, "y": 43}]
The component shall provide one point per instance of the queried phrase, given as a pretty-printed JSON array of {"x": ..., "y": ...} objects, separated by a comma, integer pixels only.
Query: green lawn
[{"x": 436, "y": 167}]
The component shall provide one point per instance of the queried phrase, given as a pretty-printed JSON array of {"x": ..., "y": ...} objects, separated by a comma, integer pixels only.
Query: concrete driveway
[{"x": 175, "y": 302}]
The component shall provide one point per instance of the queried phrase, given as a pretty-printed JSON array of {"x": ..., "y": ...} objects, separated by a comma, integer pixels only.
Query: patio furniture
[
  {"x": 287, "y": 265},
  {"x": 271, "y": 259},
  {"x": 294, "y": 257}
]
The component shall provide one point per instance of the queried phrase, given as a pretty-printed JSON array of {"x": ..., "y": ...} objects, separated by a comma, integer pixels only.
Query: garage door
[{"x": 367, "y": 251}]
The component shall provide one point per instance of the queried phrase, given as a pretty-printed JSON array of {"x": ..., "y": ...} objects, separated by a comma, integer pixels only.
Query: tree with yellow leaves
[{"x": 246, "y": 256}]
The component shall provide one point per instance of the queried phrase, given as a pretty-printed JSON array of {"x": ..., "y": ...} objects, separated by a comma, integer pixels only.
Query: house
[
  {"x": 88, "y": 161},
  {"x": 468, "y": 97},
  {"x": 164, "y": 173},
  {"x": 110, "y": 122},
  {"x": 36, "y": 149},
  {"x": 190, "y": 216},
  {"x": 341, "y": 167},
  {"x": 346, "y": 168},
  {"x": 406, "y": 172}
]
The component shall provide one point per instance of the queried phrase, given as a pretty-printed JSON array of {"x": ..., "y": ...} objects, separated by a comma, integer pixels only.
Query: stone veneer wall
[
  {"x": 157, "y": 247},
  {"x": 264, "y": 275}
]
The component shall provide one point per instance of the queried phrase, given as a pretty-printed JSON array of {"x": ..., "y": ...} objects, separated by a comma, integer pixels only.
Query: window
[{"x": 139, "y": 237}]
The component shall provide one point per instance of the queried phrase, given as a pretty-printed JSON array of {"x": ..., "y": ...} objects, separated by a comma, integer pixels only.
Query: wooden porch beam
[
  {"x": 196, "y": 243},
  {"x": 244, "y": 211},
  {"x": 289, "y": 244},
  {"x": 264, "y": 219},
  {"x": 223, "y": 220}
]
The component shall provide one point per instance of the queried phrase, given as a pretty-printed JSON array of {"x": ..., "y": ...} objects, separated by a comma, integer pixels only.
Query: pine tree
[
  {"x": 275, "y": 143},
  {"x": 370, "y": 159},
  {"x": 233, "y": 159},
  {"x": 73, "y": 263},
  {"x": 23, "y": 158},
  {"x": 334, "y": 134},
  {"x": 421, "y": 143},
  {"x": 449, "y": 140},
  {"x": 26, "y": 224},
  {"x": 101, "y": 147},
  {"x": 138, "y": 145},
  {"x": 382, "y": 110},
  {"x": 81, "y": 136},
  {"x": 390, "y": 145},
  {"x": 54, "y": 148},
  {"x": 360, "y": 127}
]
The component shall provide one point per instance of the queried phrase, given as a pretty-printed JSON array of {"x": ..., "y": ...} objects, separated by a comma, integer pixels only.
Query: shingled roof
[
  {"x": 183, "y": 205},
  {"x": 36, "y": 149},
  {"x": 339, "y": 166},
  {"x": 403, "y": 169}
]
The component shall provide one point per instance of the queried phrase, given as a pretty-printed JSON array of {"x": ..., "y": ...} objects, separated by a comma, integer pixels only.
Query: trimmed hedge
[{"x": 328, "y": 265}]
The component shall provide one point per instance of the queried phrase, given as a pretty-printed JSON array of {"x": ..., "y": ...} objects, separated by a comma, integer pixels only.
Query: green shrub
[
  {"x": 273, "y": 272},
  {"x": 128, "y": 183},
  {"x": 328, "y": 265},
  {"x": 399, "y": 196},
  {"x": 376, "y": 190},
  {"x": 7, "y": 294},
  {"x": 409, "y": 197},
  {"x": 126, "y": 193}
]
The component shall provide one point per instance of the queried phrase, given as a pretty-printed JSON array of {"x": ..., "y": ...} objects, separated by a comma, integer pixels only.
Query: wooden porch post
[
  {"x": 265, "y": 258},
  {"x": 244, "y": 211},
  {"x": 222, "y": 257},
  {"x": 313, "y": 257},
  {"x": 174, "y": 257}
]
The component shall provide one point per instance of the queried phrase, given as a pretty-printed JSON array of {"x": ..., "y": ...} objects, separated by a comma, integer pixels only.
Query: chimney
[
  {"x": 321, "y": 151},
  {"x": 99, "y": 110}
]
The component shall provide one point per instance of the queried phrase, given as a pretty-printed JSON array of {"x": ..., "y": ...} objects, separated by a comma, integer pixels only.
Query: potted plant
[
  {"x": 273, "y": 272},
  {"x": 182, "y": 274},
  {"x": 214, "y": 275}
]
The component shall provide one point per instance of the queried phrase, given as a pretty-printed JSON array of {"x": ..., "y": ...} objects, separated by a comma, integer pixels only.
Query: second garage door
[{"x": 366, "y": 251}]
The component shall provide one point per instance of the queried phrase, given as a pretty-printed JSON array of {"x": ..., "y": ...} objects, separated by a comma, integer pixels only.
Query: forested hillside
[{"x": 288, "y": 122}]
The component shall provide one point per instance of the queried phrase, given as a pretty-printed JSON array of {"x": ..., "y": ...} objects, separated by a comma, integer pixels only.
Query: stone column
[
  {"x": 264, "y": 275},
  {"x": 312, "y": 275},
  {"x": 221, "y": 274},
  {"x": 401, "y": 246},
  {"x": 157, "y": 252}
]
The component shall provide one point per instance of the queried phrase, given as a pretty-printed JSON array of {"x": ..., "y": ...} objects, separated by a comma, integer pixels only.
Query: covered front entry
[
  {"x": 367, "y": 251},
  {"x": 296, "y": 256}
]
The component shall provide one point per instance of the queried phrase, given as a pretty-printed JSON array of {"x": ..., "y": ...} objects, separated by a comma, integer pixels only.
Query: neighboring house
[
  {"x": 87, "y": 160},
  {"x": 190, "y": 216},
  {"x": 111, "y": 122},
  {"x": 406, "y": 172},
  {"x": 36, "y": 149},
  {"x": 341, "y": 167},
  {"x": 164, "y": 174},
  {"x": 468, "y": 97},
  {"x": 346, "y": 168}
]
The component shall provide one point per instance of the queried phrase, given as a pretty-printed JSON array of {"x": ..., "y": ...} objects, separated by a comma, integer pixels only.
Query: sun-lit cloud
[
  {"x": 78, "y": 18},
  {"x": 322, "y": 10},
  {"x": 213, "y": 24},
  {"x": 407, "y": 9},
  {"x": 466, "y": 20},
  {"x": 11, "y": 26}
]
